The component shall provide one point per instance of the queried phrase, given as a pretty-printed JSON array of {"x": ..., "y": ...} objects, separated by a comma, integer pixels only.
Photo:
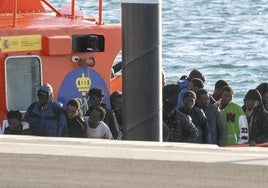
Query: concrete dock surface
[{"x": 29, "y": 161}]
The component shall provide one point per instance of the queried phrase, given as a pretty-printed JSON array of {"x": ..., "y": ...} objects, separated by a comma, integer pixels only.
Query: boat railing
[
  {"x": 51, "y": 7},
  {"x": 58, "y": 13}
]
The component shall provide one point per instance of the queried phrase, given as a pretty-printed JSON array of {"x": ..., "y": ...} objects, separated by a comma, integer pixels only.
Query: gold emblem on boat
[{"x": 83, "y": 84}]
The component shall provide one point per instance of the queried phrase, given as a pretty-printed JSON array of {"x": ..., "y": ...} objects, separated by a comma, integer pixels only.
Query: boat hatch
[{"x": 88, "y": 43}]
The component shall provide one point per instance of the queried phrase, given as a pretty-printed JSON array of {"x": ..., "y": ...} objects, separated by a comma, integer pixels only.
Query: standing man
[
  {"x": 75, "y": 123},
  {"x": 177, "y": 127},
  {"x": 46, "y": 117},
  {"x": 213, "y": 115},
  {"x": 198, "y": 116},
  {"x": 234, "y": 118}
]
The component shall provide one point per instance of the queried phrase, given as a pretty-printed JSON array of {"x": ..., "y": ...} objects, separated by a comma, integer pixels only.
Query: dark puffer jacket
[{"x": 181, "y": 128}]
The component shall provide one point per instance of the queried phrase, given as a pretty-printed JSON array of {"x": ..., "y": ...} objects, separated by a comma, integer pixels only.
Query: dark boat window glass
[
  {"x": 88, "y": 43},
  {"x": 23, "y": 79}
]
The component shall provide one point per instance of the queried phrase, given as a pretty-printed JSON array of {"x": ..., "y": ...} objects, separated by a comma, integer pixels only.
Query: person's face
[
  {"x": 13, "y": 123},
  {"x": 116, "y": 105},
  {"x": 71, "y": 111},
  {"x": 250, "y": 104},
  {"x": 95, "y": 100},
  {"x": 265, "y": 100},
  {"x": 43, "y": 99},
  {"x": 203, "y": 101},
  {"x": 168, "y": 114},
  {"x": 188, "y": 103},
  {"x": 191, "y": 86},
  {"x": 94, "y": 118},
  {"x": 226, "y": 97}
]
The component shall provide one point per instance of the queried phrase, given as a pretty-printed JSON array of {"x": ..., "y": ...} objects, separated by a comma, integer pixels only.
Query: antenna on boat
[{"x": 100, "y": 13}]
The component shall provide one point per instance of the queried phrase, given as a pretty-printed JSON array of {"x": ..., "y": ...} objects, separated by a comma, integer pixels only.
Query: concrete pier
[{"x": 28, "y": 161}]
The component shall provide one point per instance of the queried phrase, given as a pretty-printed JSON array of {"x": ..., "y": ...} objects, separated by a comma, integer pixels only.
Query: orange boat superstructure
[{"x": 40, "y": 44}]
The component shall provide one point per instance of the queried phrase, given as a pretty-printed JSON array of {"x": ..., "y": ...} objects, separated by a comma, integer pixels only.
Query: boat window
[
  {"x": 88, "y": 43},
  {"x": 23, "y": 79},
  {"x": 117, "y": 65}
]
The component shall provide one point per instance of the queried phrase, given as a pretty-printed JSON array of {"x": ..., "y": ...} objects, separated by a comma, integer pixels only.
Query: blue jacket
[
  {"x": 52, "y": 122},
  {"x": 200, "y": 121}
]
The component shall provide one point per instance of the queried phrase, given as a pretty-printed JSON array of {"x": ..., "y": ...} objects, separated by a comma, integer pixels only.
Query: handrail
[
  {"x": 15, "y": 10},
  {"x": 73, "y": 9},
  {"x": 50, "y": 6},
  {"x": 58, "y": 13}
]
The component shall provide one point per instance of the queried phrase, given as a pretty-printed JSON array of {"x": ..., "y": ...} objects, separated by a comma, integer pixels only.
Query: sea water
[{"x": 224, "y": 39}]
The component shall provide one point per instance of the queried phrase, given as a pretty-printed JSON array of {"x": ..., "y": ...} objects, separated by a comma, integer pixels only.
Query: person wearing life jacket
[
  {"x": 257, "y": 117},
  {"x": 46, "y": 117}
]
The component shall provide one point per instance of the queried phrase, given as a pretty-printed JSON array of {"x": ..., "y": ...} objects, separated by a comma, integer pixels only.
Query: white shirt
[{"x": 101, "y": 131}]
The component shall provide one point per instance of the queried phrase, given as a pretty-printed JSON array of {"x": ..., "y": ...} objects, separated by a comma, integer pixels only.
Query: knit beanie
[{"x": 46, "y": 90}]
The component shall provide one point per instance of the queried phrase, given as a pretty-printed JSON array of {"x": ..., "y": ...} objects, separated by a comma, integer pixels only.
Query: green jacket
[{"x": 236, "y": 125}]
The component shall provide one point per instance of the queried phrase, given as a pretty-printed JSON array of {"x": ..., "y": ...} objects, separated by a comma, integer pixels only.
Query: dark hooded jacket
[{"x": 257, "y": 120}]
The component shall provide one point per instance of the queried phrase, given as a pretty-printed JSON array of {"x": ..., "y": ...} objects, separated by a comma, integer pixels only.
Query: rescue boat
[{"x": 63, "y": 47}]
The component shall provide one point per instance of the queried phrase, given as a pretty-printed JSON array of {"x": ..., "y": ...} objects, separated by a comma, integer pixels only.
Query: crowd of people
[
  {"x": 46, "y": 117},
  {"x": 217, "y": 118},
  {"x": 190, "y": 114}
]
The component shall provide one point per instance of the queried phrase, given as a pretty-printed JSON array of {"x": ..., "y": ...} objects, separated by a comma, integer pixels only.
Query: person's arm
[
  {"x": 62, "y": 126},
  {"x": 206, "y": 133},
  {"x": 220, "y": 129},
  {"x": 243, "y": 128},
  {"x": 263, "y": 123},
  {"x": 190, "y": 129},
  {"x": 112, "y": 123},
  {"x": 108, "y": 134}
]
